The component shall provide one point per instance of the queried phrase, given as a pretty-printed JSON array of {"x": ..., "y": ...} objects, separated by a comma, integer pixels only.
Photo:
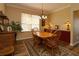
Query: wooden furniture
[
  {"x": 52, "y": 43},
  {"x": 36, "y": 39},
  {"x": 65, "y": 35},
  {"x": 50, "y": 39},
  {"x": 7, "y": 41},
  {"x": 4, "y": 22},
  {"x": 34, "y": 30},
  {"x": 3, "y": 19},
  {"x": 43, "y": 35},
  {"x": 40, "y": 37}
]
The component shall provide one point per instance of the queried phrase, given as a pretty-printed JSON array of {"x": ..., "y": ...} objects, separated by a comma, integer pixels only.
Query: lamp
[
  {"x": 68, "y": 25},
  {"x": 43, "y": 16}
]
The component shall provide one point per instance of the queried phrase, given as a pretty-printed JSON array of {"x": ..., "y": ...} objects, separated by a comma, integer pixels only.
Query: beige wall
[
  {"x": 76, "y": 27},
  {"x": 75, "y": 6},
  {"x": 2, "y": 7},
  {"x": 24, "y": 35},
  {"x": 61, "y": 17},
  {"x": 14, "y": 14}
]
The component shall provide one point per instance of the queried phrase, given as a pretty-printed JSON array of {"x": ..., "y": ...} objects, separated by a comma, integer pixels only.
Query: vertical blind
[{"x": 29, "y": 21}]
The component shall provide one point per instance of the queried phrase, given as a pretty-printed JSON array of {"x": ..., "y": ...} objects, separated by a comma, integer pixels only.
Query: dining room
[{"x": 38, "y": 29}]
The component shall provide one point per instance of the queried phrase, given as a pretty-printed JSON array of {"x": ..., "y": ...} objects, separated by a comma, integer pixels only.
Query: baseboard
[
  {"x": 75, "y": 43},
  {"x": 23, "y": 38}
]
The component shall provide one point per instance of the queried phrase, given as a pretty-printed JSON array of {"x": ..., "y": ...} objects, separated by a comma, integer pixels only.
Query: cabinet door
[{"x": 6, "y": 40}]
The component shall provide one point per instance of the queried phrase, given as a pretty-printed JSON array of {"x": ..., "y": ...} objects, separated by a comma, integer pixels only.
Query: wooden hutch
[{"x": 7, "y": 39}]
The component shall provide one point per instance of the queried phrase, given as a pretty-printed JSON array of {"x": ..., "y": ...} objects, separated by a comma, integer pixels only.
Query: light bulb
[{"x": 44, "y": 17}]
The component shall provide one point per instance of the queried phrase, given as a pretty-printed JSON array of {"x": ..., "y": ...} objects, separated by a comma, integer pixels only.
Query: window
[{"x": 29, "y": 21}]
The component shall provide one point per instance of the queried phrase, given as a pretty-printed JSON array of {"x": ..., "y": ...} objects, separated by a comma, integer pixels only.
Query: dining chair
[
  {"x": 36, "y": 39},
  {"x": 35, "y": 29},
  {"x": 52, "y": 43},
  {"x": 49, "y": 30}
]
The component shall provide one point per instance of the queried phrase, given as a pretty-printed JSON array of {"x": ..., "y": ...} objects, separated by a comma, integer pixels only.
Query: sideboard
[
  {"x": 7, "y": 42},
  {"x": 65, "y": 35}
]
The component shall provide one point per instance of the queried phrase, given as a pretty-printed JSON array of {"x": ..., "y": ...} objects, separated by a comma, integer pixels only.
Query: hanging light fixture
[{"x": 43, "y": 16}]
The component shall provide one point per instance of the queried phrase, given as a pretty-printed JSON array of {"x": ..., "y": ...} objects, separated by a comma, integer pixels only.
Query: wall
[
  {"x": 2, "y": 7},
  {"x": 75, "y": 17},
  {"x": 75, "y": 6},
  {"x": 14, "y": 14},
  {"x": 76, "y": 27},
  {"x": 61, "y": 17},
  {"x": 24, "y": 35}
]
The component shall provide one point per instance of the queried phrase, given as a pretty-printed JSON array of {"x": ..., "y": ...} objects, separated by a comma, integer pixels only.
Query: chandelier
[{"x": 43, "y": 16}]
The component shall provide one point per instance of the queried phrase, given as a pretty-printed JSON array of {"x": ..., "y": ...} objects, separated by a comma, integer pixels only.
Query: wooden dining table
[
  {"x": 44, "y": 38},
  {"x": 44, "y": 35}
]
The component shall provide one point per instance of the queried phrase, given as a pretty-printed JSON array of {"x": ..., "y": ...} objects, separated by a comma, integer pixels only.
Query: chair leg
[
  {"x": 51, "y": 52},
  {"x": 57, "y": 51}
]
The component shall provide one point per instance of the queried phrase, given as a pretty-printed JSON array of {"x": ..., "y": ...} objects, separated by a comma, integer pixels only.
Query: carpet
[
  {"x": 20, "y": 49},
  {"x": 33, "y": 51}
]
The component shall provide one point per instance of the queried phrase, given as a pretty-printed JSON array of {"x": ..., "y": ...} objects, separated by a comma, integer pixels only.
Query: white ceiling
[{"x": 47, "y": 7}]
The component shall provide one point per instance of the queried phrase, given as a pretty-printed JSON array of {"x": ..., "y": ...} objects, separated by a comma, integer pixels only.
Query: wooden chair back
[
  {"x": 34, "y": 30},
  {"x": 58, "y": 34},
  {"x": 54, "y": 40}
]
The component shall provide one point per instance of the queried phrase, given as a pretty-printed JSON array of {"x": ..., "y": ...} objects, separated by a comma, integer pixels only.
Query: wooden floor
[{"x": 21, "y": 49}]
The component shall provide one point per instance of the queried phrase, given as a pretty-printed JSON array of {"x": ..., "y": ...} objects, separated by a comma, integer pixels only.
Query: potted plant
[{"x": 16, "y": 27}]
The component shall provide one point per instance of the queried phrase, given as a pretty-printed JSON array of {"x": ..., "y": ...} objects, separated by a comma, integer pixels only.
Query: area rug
[
  {"x": 33, "y": 51},
  {"x": 20, "y": 49}
]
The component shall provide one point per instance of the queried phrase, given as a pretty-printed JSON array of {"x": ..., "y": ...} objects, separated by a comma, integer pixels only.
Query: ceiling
[{"x": 47, "y": 7}]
